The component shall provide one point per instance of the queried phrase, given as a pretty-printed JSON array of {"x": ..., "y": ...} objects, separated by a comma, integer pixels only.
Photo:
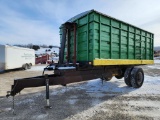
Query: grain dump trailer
[
  {"x": 12, "y": 57},
  {"x": 95, "y": 45}
]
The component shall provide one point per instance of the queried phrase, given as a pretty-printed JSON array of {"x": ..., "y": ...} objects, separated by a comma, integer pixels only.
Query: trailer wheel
[
  {"x": 107, "y": 78},
  {"x": 25, "y": 66},
  {"x": 29, "y": 66},
  {"x": 127, "y": 76},
  {"x": 137, "y": 77},
  {"x": 119, "y": 76}
]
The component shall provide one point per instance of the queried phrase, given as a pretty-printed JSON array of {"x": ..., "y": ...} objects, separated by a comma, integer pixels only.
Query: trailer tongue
[{"x": 61, "y": 76}]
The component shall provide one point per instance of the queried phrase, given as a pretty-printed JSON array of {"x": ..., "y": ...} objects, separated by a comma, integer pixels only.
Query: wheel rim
[{"x": 139, "y": 78}]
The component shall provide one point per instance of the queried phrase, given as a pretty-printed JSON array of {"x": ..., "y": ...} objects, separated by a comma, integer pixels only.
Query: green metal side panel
[
  {"x": 117, "y": 40},
  {"x": 103, "y": 37},
  {"x": 85, "y": 35}
]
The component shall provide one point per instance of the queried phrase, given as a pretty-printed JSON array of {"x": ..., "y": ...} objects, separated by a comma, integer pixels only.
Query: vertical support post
[
  {"x": 68, "y": 46},
  {"x": 93, "y": 40},
  {"x": 128, "y": 43},
  {"x": 111, "y": 39},
  {"x": 87, "y": 37},
  {"x": 100, "y": 36},
  {"x": 47, "y": 92},
  {"x": 145, "y": 46},
  {"x": 135, "y": 44},
  {"x": 74, "y": 57},
  {"x": 120, "y": 40},
  {"x": 152, "y": 46},
  {"x": 141, "y": 50},
  {"x": 63, "y": 43}
]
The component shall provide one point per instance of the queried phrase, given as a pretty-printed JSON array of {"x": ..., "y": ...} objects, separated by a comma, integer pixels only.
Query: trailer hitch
[
  {"x": 62, "y": 76},
  {"x": 11, "y": 93}
]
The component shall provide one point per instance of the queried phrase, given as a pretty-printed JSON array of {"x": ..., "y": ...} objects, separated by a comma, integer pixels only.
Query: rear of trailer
[{"x": 16, "y": 57}]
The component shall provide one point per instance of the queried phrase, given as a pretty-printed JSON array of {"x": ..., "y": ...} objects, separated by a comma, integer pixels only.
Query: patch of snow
[
  {"x": 25, "y": 101},
  {"x": 111, "y": 86},
  {"x": 98, "y": 95},
  {"x": 95, "y": 89},
  {"x": 43, "y": 50},
  {"x": 72, "y": 101},
  {"x": 115, "y": 86},
  {"x": 157, "y": 57},
  {"x": 7, "y": 109},
  {"x": 96, "y": 102},
  {"x": 56, "y": 92},
  {"x": 60, "y": 68},
  {"x": 36, "y": 68},
  {"x": 154, "y": 66},
  {"x": 156, "y": 61},
  {"x": 151, "y": 85},
  {"x": 151, "y": 80},
  {"x": 38, "y": 117}
]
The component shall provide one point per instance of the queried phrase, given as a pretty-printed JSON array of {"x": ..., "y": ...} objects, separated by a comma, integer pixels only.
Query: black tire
[
  {"x": 127, "y": 76},
  {"x": 119, "y": 76},
  {"x": 25, "y": 67},
  {"x": 107, "y": 78},
  {"x": 29, "y": 66},
  {"x": 137, "y": 77},
  {"x": 122, "y": 74}
]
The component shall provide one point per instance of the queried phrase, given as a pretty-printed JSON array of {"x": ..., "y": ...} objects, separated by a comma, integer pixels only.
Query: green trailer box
[{"x": 104, "y": 40}]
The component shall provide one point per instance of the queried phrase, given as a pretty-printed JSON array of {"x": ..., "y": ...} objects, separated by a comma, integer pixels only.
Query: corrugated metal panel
[{"x": 103, "y": 37}]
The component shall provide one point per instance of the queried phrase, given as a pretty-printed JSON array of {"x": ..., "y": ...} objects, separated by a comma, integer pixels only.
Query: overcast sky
[{"x": 38, "y": 21}]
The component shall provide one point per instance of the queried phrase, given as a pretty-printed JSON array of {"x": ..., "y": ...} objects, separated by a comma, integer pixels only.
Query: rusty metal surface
[
  {"x": 61, "y": 77},
  {"x": 74, "y": 57}
]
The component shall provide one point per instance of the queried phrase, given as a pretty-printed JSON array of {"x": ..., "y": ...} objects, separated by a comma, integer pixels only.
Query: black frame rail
[{"x": 60, "y": 77}]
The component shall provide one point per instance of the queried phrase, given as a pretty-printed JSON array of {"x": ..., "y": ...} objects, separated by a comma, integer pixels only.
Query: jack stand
[
  {"x": 102, "y": 80},
  {"x": 13, "y": 110},
  {"x": 47, "y": 92}
]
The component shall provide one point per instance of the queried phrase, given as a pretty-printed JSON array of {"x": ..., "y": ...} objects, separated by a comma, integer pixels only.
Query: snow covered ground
[
  {"x": 43, "y": 50},
  {"x": 154, "y": 66},
  {"x": 156, "y": 61},
  {"x": 157, "y": 58},
  {"x": 37, "y": 68},
  {"x": 90, "y": 100},
  {"x": 151, "y": 86}
]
